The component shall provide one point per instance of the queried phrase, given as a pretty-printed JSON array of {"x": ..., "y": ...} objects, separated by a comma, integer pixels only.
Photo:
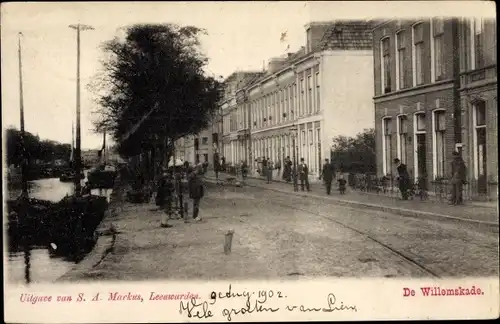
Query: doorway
[{"x": 421, "y": 156}]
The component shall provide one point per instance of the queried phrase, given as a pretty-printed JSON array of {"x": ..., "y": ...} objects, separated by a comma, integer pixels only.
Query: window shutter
[
  {"x": 440, "y": 121},
  {"x": 388, "y": 128},
  {"x": 403, "y": 125}
]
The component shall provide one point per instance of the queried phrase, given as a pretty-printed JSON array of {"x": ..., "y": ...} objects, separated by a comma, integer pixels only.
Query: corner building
[
  {"x": 321, "y": 91},
  {"x": 479, "y": 106},
  {"x": 416, "y": 98},
  {"x": 431, "y": 100}
]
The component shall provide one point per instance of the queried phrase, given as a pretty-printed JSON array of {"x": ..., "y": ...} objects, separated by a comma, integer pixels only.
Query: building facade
[
  {"x": 307, "y": 98},
  {"x": 197, "y": 148},
  {"x": 479, "y": 106},
  {"x": 416, "y": 101},
  {"x": 424, "y": 97},
  {"x": 234, "y": 139}
]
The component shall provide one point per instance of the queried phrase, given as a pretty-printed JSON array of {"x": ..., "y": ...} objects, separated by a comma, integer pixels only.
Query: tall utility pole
[
  {"x": 24, "y": 162},
  {"x": 78, "y": 153}
]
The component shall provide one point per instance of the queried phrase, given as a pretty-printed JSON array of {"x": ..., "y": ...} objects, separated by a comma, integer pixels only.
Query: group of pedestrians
[
  {"x": 170, "y": 193},
  {"x": 458, "y": 179},
  {"x": 301, "y": 173}
]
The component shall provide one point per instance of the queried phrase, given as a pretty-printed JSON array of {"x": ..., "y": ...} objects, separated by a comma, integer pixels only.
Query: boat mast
[
  {"x": 72, "y": 156},
  {"x": 24, "y": 162},
  {"x": 78, "y": 158},
  {"x": 23, "y": 212},
  {"x": 104, "y": 148}
]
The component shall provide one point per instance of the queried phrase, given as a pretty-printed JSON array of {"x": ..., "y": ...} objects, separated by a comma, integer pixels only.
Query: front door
[
  {"x": 481, "y": 160},
  {"x": 421, "y": 156}
]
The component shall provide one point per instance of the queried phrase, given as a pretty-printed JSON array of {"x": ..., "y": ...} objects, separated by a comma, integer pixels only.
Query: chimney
[
  {"x": 314, "y": 34},
  {"x": 275, "y": 64}
]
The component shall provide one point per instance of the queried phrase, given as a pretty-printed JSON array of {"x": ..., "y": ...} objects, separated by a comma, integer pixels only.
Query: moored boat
[
  {"x": 74, "y": 222},
  {"x": 102, "y": 177}
]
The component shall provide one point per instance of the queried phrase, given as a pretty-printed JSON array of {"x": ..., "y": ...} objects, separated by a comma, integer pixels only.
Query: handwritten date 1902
[{"x": 262, "y": 295}]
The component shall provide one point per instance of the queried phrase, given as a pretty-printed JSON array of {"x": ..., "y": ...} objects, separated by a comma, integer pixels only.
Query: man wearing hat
[
  {"x": 196, "y": 190},
  {"x": 458, "y": 170},
  {"x": 403, "y": 178}
]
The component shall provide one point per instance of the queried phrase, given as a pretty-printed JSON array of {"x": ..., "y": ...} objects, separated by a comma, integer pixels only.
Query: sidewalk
[{"x": 482, "y": 214}]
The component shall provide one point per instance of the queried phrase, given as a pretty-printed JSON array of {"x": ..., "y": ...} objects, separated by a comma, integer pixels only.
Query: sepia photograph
[{"x": 254, "y": 141}]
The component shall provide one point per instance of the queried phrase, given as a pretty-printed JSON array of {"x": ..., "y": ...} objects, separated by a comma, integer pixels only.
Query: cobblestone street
[{"x": 282, "y": 236}]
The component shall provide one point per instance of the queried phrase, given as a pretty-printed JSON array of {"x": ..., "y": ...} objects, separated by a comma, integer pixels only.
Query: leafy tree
[
  {"x": 44, "y": 150},
  {"x": 154, "y": 71},
  {"x": 355, "y": 154}
]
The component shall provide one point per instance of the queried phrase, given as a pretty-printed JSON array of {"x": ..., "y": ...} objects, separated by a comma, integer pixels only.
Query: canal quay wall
[{"x": 105, "y": 232}]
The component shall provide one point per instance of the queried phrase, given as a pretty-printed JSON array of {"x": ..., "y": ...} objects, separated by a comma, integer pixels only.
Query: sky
[{"x": 241, "y": 36}]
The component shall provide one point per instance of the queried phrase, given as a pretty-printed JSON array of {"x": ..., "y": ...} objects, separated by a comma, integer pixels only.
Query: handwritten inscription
[
  {"x": 195, "y": 309},
  {"x": 229, "y": 303},
  {"x": 261, "y": 301}
]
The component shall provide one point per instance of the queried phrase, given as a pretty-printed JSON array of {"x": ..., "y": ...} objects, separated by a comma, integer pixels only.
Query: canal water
[{"x": 44, "y": 267}]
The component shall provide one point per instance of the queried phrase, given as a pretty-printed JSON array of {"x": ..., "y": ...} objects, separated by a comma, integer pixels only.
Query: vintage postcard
[{"x": 249, "y": 161}]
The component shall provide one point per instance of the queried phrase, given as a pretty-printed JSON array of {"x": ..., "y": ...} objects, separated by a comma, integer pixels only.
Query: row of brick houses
[
  {"x": 427, "y": 86},
  {"x": 307, "y": 98},
  {"x": 435, "y": 93}
]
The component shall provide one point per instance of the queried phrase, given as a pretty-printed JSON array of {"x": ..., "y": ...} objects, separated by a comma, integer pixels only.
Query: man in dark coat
[
  {"x": 179, "y": 189},
  {"x": 196, "y": 191},
  {"x": 327, "y": 174},
  {"x": 164, "y": 197},
  {"x": 403, "y": 178},
  {"x": 304, "y": 175},
  {"x": 458, "y": 170},
  {"x": 287, "y": 170}
]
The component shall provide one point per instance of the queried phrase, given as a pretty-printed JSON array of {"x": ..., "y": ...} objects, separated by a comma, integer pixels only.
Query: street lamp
[
  {"x": 294, "y": 130},
  {"x": 78, "y": 156}
]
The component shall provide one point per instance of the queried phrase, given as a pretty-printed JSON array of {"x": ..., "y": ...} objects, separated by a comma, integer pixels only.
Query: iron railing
[{"x": 437, "y": 189}]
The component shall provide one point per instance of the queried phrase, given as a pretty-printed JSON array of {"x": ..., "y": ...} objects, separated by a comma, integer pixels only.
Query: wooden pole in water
[{"x": 23, "y": 212}]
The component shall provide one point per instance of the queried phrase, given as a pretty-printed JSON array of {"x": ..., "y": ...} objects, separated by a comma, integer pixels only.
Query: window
[
  {"x": 204, "y": 140},
  {"x": 287, "y": 103},
  {"x": 386, "y": 65},
  {"x": 401, "y": 72},
  {"x": 439, "y": 148},
  {"x": 438, "y": 40},
  {"x": 386, "y": 145},
  {"x": 420, "y": 146},
  {"x": 309, "y": 95},
  {"x": 310, "y": 137},
  {"x": 317, "y": 92},
  {"x": 282, "y": 100},
  {"x": 402, "y": 138},
  {"x": 205, "y": 157},
  {"x": 420, "y": 122},
  {"x": 479, "y": 137},
  {"x": 302, "y": 97},
  {"x": 303, "y": 138},
  {"x": 418, "y": 58},
  {"x": 478, "y": 43},
  {"x": 293, "y": 100}
]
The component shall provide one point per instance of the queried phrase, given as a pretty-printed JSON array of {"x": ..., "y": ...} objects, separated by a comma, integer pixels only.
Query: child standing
[{"x": 342, "y": 184}]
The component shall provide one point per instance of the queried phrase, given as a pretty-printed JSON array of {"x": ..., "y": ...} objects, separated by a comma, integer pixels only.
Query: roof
[
  {"x": 342, "y": 34},
  {"x": 248, "y": 78},
  {"x": 348, "y": 35}
]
